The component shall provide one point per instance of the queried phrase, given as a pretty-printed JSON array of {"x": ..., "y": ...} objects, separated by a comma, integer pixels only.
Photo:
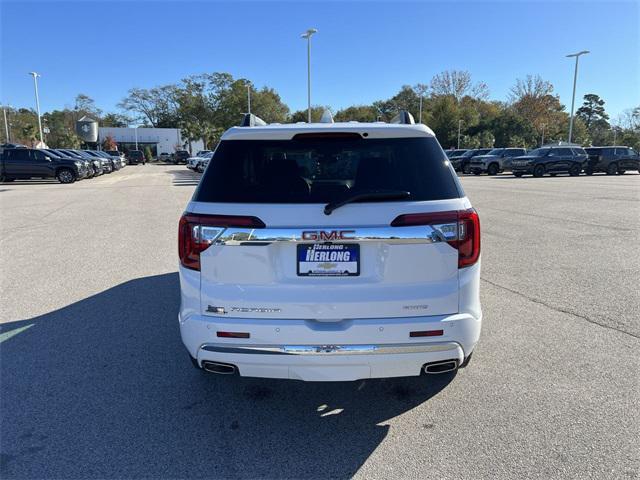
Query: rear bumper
[{"x": 330, "y": 351}]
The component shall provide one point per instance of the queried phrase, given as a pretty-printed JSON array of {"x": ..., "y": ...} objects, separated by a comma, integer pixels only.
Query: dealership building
[{"x": 159, "y": 140}]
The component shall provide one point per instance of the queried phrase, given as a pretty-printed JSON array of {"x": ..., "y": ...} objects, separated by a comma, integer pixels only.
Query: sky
[{"x": 363, "y": 51}]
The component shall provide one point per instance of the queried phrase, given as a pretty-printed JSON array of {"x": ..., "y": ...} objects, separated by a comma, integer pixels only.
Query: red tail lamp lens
[{"x": 195, "y": 233}]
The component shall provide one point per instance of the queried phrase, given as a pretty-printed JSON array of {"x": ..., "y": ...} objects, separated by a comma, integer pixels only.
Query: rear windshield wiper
[{"x": 371, "y": 195}]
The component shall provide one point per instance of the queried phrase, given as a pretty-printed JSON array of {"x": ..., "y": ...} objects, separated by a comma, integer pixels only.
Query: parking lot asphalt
[{"x": 95, "y": 382}]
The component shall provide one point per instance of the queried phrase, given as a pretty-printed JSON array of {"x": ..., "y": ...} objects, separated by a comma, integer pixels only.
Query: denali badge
[{"x": 324, "y": 235}]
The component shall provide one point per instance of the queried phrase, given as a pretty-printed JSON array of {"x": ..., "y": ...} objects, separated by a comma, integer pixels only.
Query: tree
[
  {"x": 147, "y": 153},
  {"x": 156, "y": 106},
  {"x": 406, "y": 99},
  {"x": 301, "y": 115},
  {"x": 85, "y": 105},
  {"x": 30, "y": 133},
  {"x": 114, "y": 120},
  {"x": 358, "y": 113},
  {"x": 458, "y": 84},
  {"x": 592, "y": 110},
  {"x": 533, "y": 99},
  {"x": 109, "y": 143}
]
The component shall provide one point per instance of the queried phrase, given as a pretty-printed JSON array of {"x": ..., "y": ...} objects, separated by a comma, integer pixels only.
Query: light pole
[
  {"x": 35, "y": 86},
  {"x": 248, "y": 98},
  {"x": 573, "y": 98},
  {"x": 308, "y": 35},
  {"x": 136, "y": 130},
  {"x": 459, "y": 126},
  {"x": 6, "y": 124}
]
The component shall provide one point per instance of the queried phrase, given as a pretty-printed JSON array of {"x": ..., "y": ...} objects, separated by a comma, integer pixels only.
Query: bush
[{"x": 147, "y": 154}]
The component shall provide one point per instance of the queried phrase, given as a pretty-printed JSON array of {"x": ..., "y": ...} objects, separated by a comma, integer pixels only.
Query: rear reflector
[
  {"x": 460, "y": 228},
  {"x": 232, "y": 334},
  {"x": 197, "y": 232},
  {"x": 427, "y": 333}
]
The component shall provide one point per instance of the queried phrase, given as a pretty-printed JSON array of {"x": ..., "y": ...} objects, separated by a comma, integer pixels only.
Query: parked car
[
  {"x": 107, "y": 165},
  {"x": 461, "y": 163},
  {"x": 319, "y": 254},
  {"x": 495, "y": 161},
  {"x": 135, "y": 157},
  {"x": 181, "y": 156},
  {"x": 115, "y": 160},
  {"x": 120, "y": 155},
  {"x": 164, "y": 157},
  {"x": 113, "y": 166},
  {"x": 551, "y": 160},
  {"x": 4, "y": 146},
  {"x": 202, "y": 162},
  {"x": 611, "y": 160},
  {"x": 191, "y": 162},
  {"x": 94, "y": 167},
  {"x": 454, "y": 153},
  {"x": 202, "y": 153},
  {"x": 24, "y": 163}
]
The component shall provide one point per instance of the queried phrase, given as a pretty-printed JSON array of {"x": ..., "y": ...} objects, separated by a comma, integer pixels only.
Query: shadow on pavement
[
  {"x": 185, "y": 177},
  {"x": 103, "y": 388}
]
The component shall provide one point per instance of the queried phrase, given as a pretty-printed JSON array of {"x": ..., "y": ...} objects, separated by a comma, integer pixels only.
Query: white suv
[{"x": 329, "y": 251}]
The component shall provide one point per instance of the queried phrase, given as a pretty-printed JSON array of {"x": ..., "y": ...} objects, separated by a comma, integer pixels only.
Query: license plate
[{"x": 329, "y": 260}]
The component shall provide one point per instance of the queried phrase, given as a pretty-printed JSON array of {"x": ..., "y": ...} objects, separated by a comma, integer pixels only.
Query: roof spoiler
[
  {"x": 251, "y": 120},
  {"x": 403, "y": 117}
]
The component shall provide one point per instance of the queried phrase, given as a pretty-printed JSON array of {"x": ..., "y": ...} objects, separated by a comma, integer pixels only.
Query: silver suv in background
[{"x": 496, "y": 161}]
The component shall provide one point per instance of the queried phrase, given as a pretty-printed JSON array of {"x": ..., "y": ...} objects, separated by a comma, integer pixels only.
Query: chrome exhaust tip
[
  {"x": 220, "y": 368},
  {"x": 441, "y": 367}
]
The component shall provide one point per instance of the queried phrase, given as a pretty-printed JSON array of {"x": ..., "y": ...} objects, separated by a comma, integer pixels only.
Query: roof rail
[
  {"x": 403, "y": 117},
  {"x": 251, "y": 120}
]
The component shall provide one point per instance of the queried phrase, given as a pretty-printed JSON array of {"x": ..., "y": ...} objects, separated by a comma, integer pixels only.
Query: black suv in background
[
  {"x": 461, "y": 163},
  {"x": 23, "y": 163},
  {"x": 552, "y": 160},
  {"x": 611, "y": 160},
  {"x": 181, "y": 156},
  {"x": 134, "y": 157}
]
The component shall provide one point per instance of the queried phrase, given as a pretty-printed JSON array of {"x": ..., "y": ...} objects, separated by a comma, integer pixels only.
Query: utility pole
[
  {"x": 248, "y": 98},
  {"x": 459, "y": 126}
]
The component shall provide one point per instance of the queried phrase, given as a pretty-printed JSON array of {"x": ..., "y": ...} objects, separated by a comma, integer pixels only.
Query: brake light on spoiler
[
  {"x": 197, "y": 232},
  {"x": 460, "y": 229}
]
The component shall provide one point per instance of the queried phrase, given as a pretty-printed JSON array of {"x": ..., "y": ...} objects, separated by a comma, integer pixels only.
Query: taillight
[
  {"x": 197, "y": 232},
  {"x": 459, "y": 228}
]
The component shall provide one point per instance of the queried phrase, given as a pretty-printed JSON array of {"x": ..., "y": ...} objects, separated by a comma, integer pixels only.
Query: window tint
[
  {"x": 579, "y": 151},
  {"x": 19, "y": 154},
  {"x": 562, "y": 151},
  {"x": 324, "y": 170},
  {"x": 608, "y": 151},
  {"x": 621, "y": 151}
]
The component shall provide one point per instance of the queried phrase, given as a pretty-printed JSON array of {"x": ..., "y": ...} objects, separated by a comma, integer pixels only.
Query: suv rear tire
[
  {"x": 612, "y": 169},
  {"x": 538, "y": 171},
  {"x": 66, "y": 175},
  {"x": 493, "y": 169},
  {"x": 518, "y": 174},
  {"x": 574, "y": 171}
]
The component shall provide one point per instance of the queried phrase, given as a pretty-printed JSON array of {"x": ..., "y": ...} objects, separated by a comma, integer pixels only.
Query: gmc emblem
[{"x": 327, "y": 236}]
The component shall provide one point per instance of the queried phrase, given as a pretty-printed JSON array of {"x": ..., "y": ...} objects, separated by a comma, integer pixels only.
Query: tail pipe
[
  {"x": 220, "y": 368},
  {"x": 441, "y": 367}
]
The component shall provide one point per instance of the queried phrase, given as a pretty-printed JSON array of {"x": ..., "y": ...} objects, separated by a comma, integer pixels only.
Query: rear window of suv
[{"x": 325, "y": 170}]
